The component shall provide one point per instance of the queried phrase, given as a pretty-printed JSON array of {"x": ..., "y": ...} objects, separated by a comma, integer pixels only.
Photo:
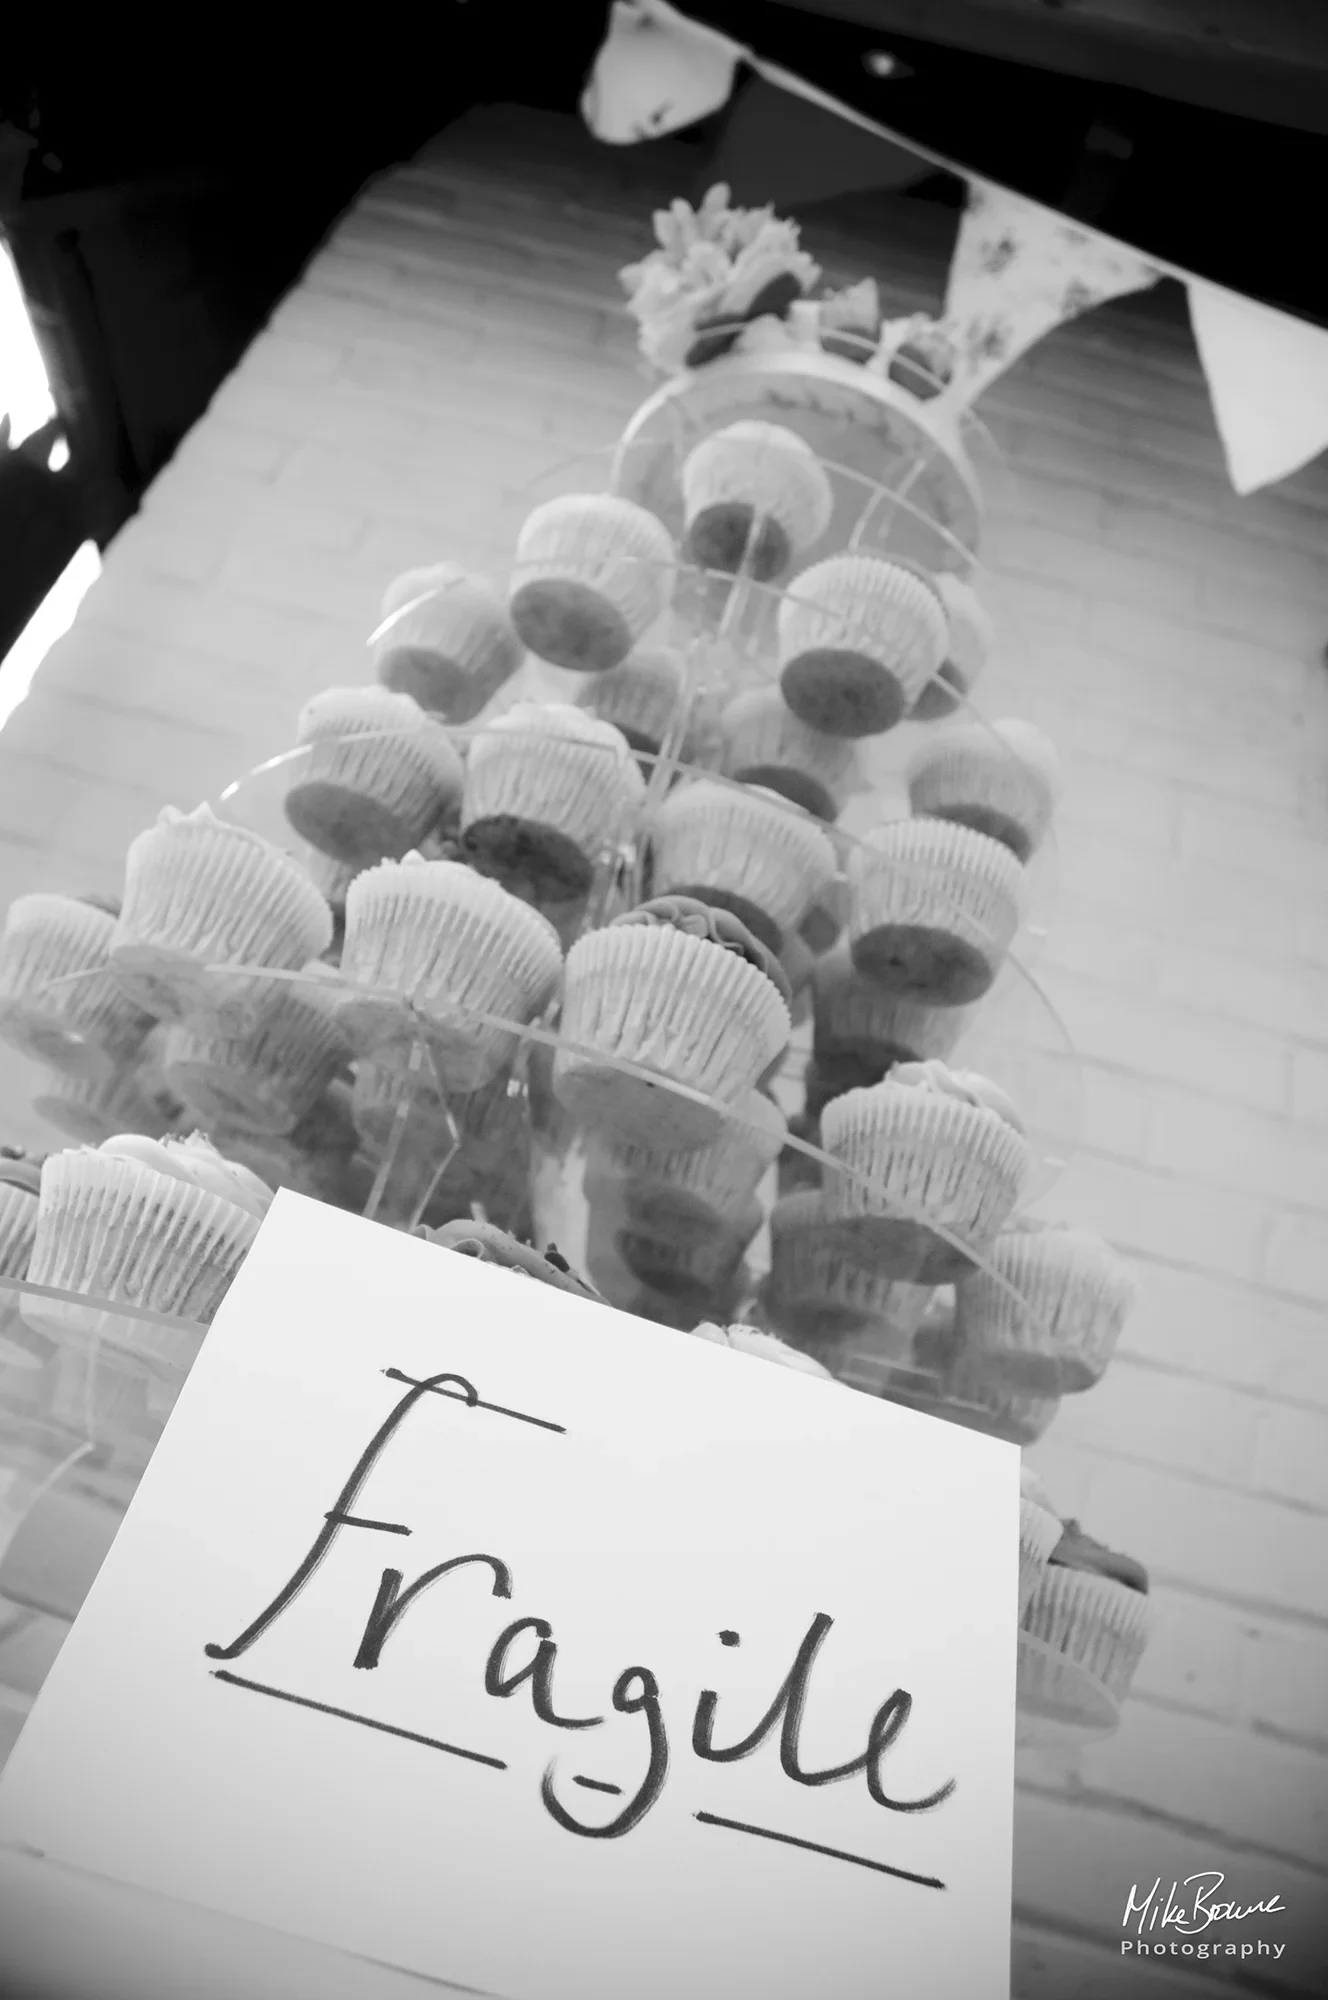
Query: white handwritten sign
[{"x": 505, "y": 1639}]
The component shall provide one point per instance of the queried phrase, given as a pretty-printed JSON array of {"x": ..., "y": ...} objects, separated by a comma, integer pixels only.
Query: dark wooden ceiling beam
[{"x": 1260, "y": 59}]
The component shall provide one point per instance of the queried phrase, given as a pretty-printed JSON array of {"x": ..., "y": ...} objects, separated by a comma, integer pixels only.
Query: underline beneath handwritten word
[
  {"x": 475, "y": 1403},
  {"x": 365, "y": 1721},
  {"x": 814, "y": 1847}
]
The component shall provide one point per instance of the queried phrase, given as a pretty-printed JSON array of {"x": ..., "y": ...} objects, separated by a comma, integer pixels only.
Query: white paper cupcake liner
[
  {"x": 266, "y": 1080},
  {"x": 208, "y": 894},
  {"x": 18, "y": 1230},
  {"x": 722, "y": 1176},
  {"x": 59, "y": 1002},
  {"x": 643, "y": 697},
  {"x": 443, "y": 940},
  {"x": 1046, "y": 1313},
  {"x": 764, "y": 467},
  {"x": 360, "y": 796},
  {"x": 613, "y": 557},
  {"x": 1096, "y": 1624},
  {"x": 677, "y": 1005},
  {"x": 754, "y": 851},
  {"x": 819, "y": 1289},
  {"x": 955, "y": 780},
  {"x": 956, "y": 1166},
  {"x": 868, "y": 606},
  {"x": 857, "y": 1020},
  {"x": 125, "y": 1235},
  {"x": 387, "y": 1099},
  {"x": 766, "y": 744},
  {"x": 924, "y": 876},
  {"x": 92, "y": 1110},
  {"x": 1039, "y": 1532},
  {"x": 973, "y": 1396},
  {"x": 586, "y": 790},
  {"x": 447, "y": 641}
]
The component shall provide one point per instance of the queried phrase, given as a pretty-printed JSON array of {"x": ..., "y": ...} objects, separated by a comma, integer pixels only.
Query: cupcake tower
[{"x": 558, "y": 889}]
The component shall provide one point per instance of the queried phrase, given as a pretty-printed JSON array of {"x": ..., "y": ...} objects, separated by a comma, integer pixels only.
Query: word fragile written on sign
[{"x": 485, "y": 1632}]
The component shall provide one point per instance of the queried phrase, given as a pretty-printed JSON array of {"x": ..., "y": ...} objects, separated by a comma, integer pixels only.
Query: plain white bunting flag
[
  {"x": 1018, "y": 271},
  {"x": 1268, "y": 380}
]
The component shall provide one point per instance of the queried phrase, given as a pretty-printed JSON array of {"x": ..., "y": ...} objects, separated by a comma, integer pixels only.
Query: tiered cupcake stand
[{"x": 390, "y": 968}]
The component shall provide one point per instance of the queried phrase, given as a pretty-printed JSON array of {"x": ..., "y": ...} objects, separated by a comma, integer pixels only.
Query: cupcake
[
  {"x": 859, "y": 638},
  {"x": 266, "y": 1078},
  {"x": 679, "y": 990},
  {"x": 697, "y": 1265},
  {"x": 755, "y": 498},
  {"x": 799, "y": 965},
  {"x": 1046, "y": 1310},
  {"x": 861, "y": 1031},
  {"x": 200, "y": 896},
  {"x": 690, "y": 1188},
  {"x": 391, "y": 1103},
  {"x": 550, "y": 793},
  {"x": 762, "y": 1347},
  {"x": 489, "y": 1172},
  {"x": 332, "y": 879},
  {"x": 162, "y": 1225},
  {"x": 1039, "y": 1534},
  {"x": 741, "y": 849},
  {"x": 134, "y": 1100},
  {"x": 825, "y": 1289},
  {"x": 765, "y": 744},
  {"x": 933, "y": 910},
  {"x": 944, "y": 1161},
  {"x": 378, "y": 774},
  {"x": 968, "y": 644},
  {"x": 429, "y": 946},
  {"x": 642, "y": 699},
  {"x": 60, "y": 1005},
  {"x": 446, "y": 641},
  {"x": 823, "y": 925},
  {"x": 489, "y": 1245},
  {"x": 1003, "y": 781},
  {"x": 971, "y": 1395},
  {"x": 593, "y": 573},
  {"x": 1088, "y": 1619},
  {"x": 20, "y": 1185}
]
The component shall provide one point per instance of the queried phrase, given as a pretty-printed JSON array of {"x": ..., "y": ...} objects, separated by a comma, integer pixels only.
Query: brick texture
[{"x": 458, "y": 337}]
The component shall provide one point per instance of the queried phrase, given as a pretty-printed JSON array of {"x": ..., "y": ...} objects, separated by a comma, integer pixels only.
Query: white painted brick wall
[{"x": 457, "y": 338}]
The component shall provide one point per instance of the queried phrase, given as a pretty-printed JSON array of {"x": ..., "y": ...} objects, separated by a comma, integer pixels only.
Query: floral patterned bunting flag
[{"x": 1018, "y": 271}]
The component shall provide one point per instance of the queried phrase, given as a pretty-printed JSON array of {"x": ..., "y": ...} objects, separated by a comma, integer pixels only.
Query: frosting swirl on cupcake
[
  {"x": 197, "y": 1163},
  {"x": 965, "y": 1084},
  {"x": 18, "y": 1170},
  {"x": 1076, "y": 1550},
  {"x": 697, "y": 919},
  {"x": 765, "y": 1347}
]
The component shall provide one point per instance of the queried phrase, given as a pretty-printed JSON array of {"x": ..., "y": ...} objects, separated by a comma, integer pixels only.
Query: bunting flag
[
  {"x": 656, "y": 72},
  {"x": 1268, "y": 380},
  {"x": 1018, "y": 271}
]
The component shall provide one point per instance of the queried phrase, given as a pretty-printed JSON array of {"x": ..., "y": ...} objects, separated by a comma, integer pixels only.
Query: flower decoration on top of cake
[{"x": 723, "y": 279}]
